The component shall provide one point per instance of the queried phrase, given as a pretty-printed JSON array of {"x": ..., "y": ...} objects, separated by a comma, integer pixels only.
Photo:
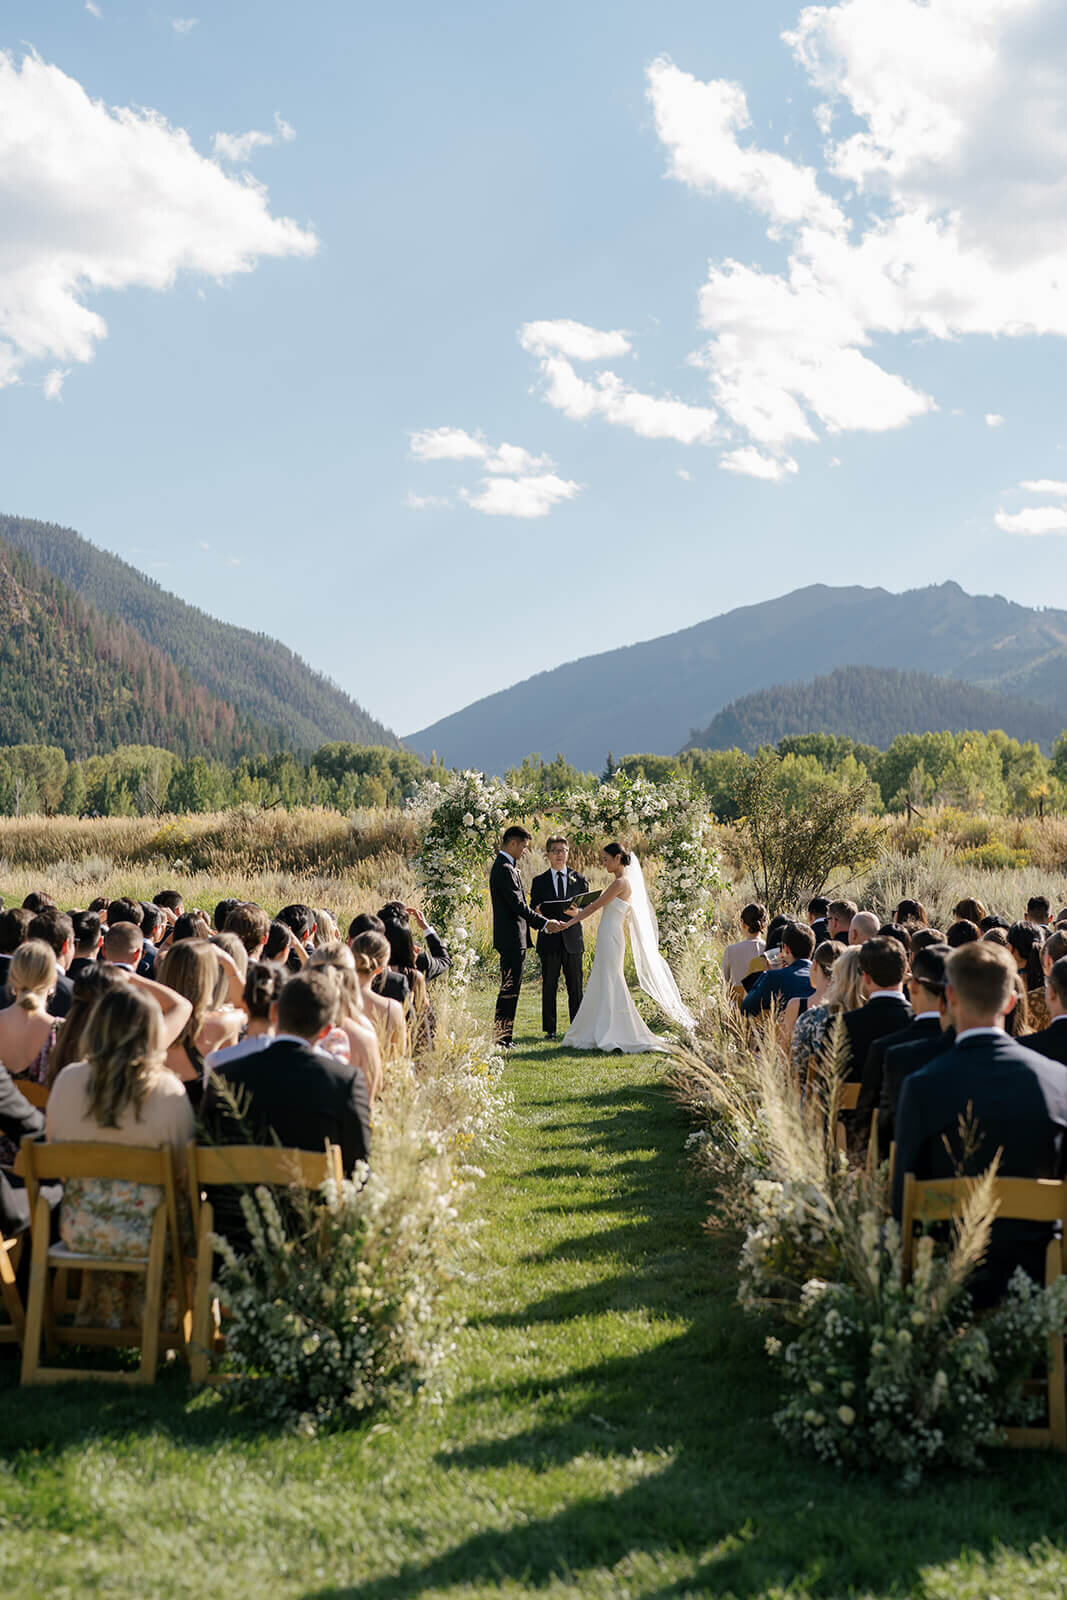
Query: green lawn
[{"x": 607, "y": 1429}]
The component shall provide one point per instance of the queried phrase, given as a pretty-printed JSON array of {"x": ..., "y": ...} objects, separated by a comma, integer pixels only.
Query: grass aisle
[{"x": 607, "y": 1432}]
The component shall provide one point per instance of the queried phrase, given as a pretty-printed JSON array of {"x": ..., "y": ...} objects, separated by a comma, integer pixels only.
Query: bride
[{"x": 607, "y": 1018}]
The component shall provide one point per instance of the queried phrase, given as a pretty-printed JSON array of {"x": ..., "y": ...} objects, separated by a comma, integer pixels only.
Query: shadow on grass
[{"x": 694, "y": 1414}]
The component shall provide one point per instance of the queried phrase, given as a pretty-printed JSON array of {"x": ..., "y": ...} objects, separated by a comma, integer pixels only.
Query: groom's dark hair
[{"x": 517, "y": 833}]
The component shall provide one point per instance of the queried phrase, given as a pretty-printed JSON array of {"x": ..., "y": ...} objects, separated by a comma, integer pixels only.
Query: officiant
[{"x": 559, "y": 952}]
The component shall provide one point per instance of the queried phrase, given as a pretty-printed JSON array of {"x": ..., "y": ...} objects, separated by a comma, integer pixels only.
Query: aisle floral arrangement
[
  {"x": 879, "y": 1372},
  {"x": 341, "y": 1305}
]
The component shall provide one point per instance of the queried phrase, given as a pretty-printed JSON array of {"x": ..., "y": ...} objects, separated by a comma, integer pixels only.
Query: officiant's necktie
[{"x": 559, "y": 886}]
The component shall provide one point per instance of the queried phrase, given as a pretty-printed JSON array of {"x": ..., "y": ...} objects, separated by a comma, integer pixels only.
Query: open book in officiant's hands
[{"x": 559, "y": 908}]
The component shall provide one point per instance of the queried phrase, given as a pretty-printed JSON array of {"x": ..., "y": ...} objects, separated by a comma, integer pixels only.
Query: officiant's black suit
[
  {"x": 512, "y": 921},
  {"x": 559, "y": 952}
]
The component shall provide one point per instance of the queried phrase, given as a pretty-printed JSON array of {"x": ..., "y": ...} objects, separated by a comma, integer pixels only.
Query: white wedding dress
[{"x": 607, "y": 1018}]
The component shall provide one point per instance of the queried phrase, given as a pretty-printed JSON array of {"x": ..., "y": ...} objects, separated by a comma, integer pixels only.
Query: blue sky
[{"x": 267, "y": 442}]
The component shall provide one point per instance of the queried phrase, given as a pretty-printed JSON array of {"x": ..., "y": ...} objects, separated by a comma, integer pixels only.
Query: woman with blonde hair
[
  {"x": 842, "y": 990},
  {"x": 372, "y": 951},
  {"x": 354, "y": 1024},
  {"x": 191, "y": 968},
  {"x": 121, "y": 1093},
  {"x": 27, "y": 1032},
  {"x": 90, "y": 984}
]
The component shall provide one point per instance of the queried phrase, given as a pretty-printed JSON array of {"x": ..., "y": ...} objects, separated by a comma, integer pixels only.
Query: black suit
[
  {"x": 1050, "y": 1042},
  {"x": 79, "y": 964},
  {"x": 901, "y": 1060},
  {"x": 512, "y": 920},
  {"x": 1018, "y": 1101},
  {"x": 821, "y": 929},
  {"x": 302, "y": 1095},
  {"x": 559, "y": 952},
  {"x": 18, "y": 1120},
  {"x": 870, "y": 1098},
  {"x": 434, "y": 961},
  {"x": 883, "y": 1014},
  {"x": 59, "y": 1002}
]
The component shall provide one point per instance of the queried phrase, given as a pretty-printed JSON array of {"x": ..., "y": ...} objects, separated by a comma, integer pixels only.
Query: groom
[
  {"x": 512, "y": 920},
  {"x": 559, "y": 952}
]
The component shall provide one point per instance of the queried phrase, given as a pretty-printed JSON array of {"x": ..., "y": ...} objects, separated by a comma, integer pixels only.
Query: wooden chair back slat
[
  {"x": 245, "y": 1164},
  {"x": 129, "y": 1163},
  {"x": 36, "y": 1093}
]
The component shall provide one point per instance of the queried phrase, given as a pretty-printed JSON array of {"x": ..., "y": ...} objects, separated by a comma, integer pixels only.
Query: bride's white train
[{"x": 607, "y": 1018}]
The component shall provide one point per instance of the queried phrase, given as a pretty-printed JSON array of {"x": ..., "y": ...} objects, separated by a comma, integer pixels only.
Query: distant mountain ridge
[
  {"x": 649, "y": 696},
  {"x": 88, "y": 683},
  {"x": 872, "y": 705},
  {"x": 261, "y": 678}
]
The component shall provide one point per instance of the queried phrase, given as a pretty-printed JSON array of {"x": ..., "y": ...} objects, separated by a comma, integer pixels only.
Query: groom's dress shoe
[{"x": 551, "y": 1035}]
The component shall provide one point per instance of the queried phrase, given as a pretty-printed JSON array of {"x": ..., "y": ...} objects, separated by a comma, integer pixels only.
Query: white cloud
[
  {"x": 752, "y": 464},
  {"x": 651, "y": 416},
  {"x": 520, "y": 497},
  {"x": 952, "y": 216},
  {"x": 97, "y": 199},
  {"x": 447, "y": 444},
  {"x": 1034, "y": 520},
  {"x": 184, "y": 24},
  {"x": 993, "y": 419},
  {"x": 686, "y": 477},
  {"x": 574, "y": 340},
  {"x": 53, "y": 382},
  {"x": 1051, "y": 486},
  {"x": 238, "y": 147},
  {"x": 92, "y": 8},
  {"x": 426, "y": 502}
]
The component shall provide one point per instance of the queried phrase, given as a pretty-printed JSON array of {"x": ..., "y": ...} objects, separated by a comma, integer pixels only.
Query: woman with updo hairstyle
[
  {"x": 358, "y": 1041},
  {"x": 27, "y": 1032},
  {"x": 263, "y": 985},
  {"x": 1025, "y": 942},
  {"x": 371, "y": 951},
  {"x": 743, "y": 962},
  {"x": 122, "y": 1093},
  {"x": 623, "y": 857}
]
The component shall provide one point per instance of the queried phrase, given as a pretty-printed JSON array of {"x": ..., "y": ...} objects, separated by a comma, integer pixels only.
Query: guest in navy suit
[{"x": 782, "y": 984}]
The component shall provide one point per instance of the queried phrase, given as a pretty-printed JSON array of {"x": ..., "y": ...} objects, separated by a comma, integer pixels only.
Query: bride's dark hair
[{"x": 619, "y": 853}]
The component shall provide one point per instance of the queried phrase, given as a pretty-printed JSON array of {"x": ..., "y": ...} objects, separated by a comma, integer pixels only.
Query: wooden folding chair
[
  {"x": 36, "y": 1093},
  {"x": 1018, "y": 1200},
  {"x": 11, "y": 1332},
  {"x": 247, "y": 1166},
  {"x": 846, "y": 1097},
  {"x": 118, "y": 1163}
]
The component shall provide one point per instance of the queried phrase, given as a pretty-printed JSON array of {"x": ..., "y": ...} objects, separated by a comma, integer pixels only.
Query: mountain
[
  {"x": 872, "y": 705},
  {"x": 649, "y": 696},
  {"x": 88, "y": 683},
  {"x": 261, "y": 678}
]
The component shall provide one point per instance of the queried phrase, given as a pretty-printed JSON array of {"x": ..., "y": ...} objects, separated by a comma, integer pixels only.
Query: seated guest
[
  {"x": 1052, "y": 1041},
  {"x": 818, "y": 906},
  {"x": 1009, "y": 1099},
  {"x": 433, "y": 962},
  {"x": 37, "y": 901},
  {"x": 901, "y": 1060},
  {"x": 153, "y": 926},
  {"x": 894, "y": 930},
  {"x": 191, "y": 969},
  {"x": 742, "y": 962},
  {"x": 994, "y": 922},
  {"x": 924, "y": 936},
  {"x": 864, "y": 926},
  {"x": 300, "y": 919},
  {"x": 926, "y": 988},
  {"x": 998, "y": 936},
  {"x": 782, "y": 984},
  {"x": 27, "y": 1030},
  {"x": 839, "y": 914},
  {"x": 222, "y": 912},
  {"x": 233, "y": 969},
  {"x": 55, "y": 929},
  {"x": 911, "y": 914},
  {"x": 93, "y": 981},
  {"x": 883, "y": 963},
  {"x": 326, "y": 929},
  {"x": 813, "y": 1008},
  {"x": 14, "y": 925},
  {"x": 371, "y": 952},
  {"x": 1025, "y": 941},
  {"x": 359, "y": 1035},
  {"x": 18, "y": 1120},
  {"x": 298, "y": 1094},
  {"x": 124, "y": 945},
  {"x": 121, "y": 1093},
  {"x": 962, "y": 932},
  {"x": 393, "y": 985},
  {"x": 969, "y": 910},
  {"x": 281, "y": 944},
  {"x": 251, "y": 924},
  {"x": 1039, "y": 911},
  {"x": 263, "y": 985},
  {"x": 775, "y": 930},
  {"x": 1053, "y": 950},
  {"x": 190, "y": 925},
  {"x": 88, "y": 941},
  {"x": 170, "y": 900}
]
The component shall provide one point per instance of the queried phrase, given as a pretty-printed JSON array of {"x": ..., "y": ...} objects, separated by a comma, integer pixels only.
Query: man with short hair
[
  {"x": 818, "y": 909},
  {"x": 864, "y": 926},
  {"x": 88, "y": 940},
  {"x": 926, "y": 987},
  {"x": 989, "y": 1094},
  {"x": 839, "y": 914},
  {"x": 37, "y": 900},
  {"x": 781, "y": 984},
  {"x": 123, "y": 945},
  {"x": 512, "y": 921},
  {"x": 300, "y": 1094},
  {"x": 883, "y": 963},
  {"x": 251, "y": 924},
  {"x": 1039, "y": 910},
  {"x": 55, "y": 929},
  {"x": 13, "y": 925},
  {"x": 1052, "y": 1041},
  {"x": 124, "y": 910},
  {"x": 559, "y": 952}
]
